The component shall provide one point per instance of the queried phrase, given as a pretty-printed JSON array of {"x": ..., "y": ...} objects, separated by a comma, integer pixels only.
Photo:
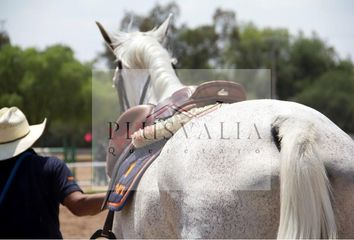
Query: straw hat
[{"x": 16, "y": 135}]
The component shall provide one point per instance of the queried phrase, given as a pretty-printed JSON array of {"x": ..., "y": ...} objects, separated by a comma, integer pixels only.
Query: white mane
[{"x": 142, "y": 50}]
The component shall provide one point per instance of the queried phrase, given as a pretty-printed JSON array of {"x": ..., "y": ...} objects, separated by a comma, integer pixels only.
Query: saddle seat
[{"x": 199, "y": 96}]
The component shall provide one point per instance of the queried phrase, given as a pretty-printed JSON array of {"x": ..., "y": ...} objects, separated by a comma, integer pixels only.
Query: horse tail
[{"x": 305, "y": 196}]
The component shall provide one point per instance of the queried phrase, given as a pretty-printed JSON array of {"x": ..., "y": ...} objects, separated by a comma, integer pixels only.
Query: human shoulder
[{"x": 47, "y": 163}]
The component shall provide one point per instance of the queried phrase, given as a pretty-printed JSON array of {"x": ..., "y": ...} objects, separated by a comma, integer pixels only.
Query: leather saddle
[
  {"x": 184, "y": 99},
  {"x": 200, "y": 96},
  {"x": 130, "y": 166}
]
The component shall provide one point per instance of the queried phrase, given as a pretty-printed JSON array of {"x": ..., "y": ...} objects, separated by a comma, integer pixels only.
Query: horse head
[{"x": 140, "y": 56}]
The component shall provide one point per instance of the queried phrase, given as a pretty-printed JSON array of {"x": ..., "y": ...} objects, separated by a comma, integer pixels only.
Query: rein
[
  {"x": 122, "y": 93},
  {"x": 121, "y": 90}
]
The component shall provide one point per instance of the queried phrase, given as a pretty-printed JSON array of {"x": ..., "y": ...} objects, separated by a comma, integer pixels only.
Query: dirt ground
[{"x": 79, "y": 227}]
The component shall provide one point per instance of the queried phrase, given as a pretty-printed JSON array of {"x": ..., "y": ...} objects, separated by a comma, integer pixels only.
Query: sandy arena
[{"x": 79, "y": 227}]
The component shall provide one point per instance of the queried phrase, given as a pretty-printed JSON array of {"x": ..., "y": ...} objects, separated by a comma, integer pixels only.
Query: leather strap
[
  {"x": 143, "y": 94},
  {"x": 122, "y": 93},
  {"x": 106, "y": 232}
]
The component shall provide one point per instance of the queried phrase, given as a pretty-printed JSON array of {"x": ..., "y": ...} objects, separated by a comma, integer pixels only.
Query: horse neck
[{"x": 164, "y": 81}]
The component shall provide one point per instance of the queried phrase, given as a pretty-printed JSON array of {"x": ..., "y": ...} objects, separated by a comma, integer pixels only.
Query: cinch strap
[{"x": 106, "y": 232}]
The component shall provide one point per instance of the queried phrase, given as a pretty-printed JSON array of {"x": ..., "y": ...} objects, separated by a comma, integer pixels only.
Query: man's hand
[{"x": 84, "y": 204}]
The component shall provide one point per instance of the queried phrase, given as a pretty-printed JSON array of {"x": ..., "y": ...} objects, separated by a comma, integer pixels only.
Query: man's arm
[{"x": 81, "y": 204}]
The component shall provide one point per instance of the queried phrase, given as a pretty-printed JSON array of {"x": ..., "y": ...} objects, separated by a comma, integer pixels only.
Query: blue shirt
[{"x": 31, "y": 206}]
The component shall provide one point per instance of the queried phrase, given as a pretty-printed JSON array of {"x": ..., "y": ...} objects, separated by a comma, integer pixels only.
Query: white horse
[{"x": 252, "y": 169}]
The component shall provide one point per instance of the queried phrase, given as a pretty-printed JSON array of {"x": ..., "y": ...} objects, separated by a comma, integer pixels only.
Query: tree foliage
[
  {"x": 305, "y": 68},
  {"x": 49, "y": 83},
  {"x": 52, "y": 83}
]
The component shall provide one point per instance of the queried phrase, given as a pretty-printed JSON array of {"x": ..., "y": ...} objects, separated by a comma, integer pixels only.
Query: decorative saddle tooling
[{"x": 132, "y": 157}]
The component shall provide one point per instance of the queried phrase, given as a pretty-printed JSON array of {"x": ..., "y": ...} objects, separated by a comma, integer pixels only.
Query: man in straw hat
[{"x": 32, "y": 186}]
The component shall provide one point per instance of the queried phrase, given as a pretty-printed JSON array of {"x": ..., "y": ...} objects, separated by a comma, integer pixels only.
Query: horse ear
[
  {"x": 161, "y": 32},
  {"x": 106, "y": 36}
]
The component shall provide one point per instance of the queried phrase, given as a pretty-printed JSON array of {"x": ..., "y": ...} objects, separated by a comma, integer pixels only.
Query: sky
[{"x": 40, "y": 23}]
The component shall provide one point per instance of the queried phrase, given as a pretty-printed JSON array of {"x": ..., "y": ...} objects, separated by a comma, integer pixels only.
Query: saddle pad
[{"x": 130, "y": 173}]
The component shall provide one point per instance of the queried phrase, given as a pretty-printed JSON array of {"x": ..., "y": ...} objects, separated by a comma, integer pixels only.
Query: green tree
[
  {"x": 198, "y": 47},
  {"x": 304, "y": 68},
  {"x": 4, "y": 39},
  {"x": 49, "y": 83},
  {"x": 332, "y": 95}
]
